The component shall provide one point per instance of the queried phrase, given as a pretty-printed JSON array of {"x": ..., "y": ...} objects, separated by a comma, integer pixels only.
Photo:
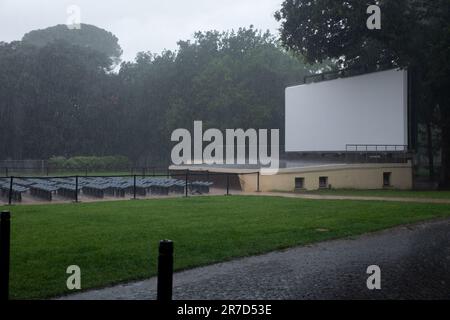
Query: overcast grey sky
[{"x": 140, "y": 25}]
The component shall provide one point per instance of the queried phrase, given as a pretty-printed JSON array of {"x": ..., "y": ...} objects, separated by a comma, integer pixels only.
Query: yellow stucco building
[{"x": 313, "y": 177}]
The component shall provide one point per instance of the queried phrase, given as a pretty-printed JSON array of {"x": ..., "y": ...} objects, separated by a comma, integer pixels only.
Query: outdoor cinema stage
[
  {"x": 297, "y": 176},
  {"x": 349, "y": 132}
]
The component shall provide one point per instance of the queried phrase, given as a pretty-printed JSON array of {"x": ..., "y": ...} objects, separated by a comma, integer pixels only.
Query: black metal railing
[
  {"x": 46, "y": 170},
  {"x": 69, "y": 188},
  {"x": 375, "y": 147}
]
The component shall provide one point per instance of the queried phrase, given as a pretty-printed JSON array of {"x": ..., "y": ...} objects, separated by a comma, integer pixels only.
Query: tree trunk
[{"x": 430, "y": 151}]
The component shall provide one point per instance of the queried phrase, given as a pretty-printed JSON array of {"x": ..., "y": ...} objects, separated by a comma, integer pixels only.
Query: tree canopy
[
  {"x": 86, "y": 36},
  {"x": 58, "y": 98}
]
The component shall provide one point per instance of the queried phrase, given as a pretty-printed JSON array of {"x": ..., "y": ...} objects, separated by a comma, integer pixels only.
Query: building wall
[{"x": 359, "y": 176}]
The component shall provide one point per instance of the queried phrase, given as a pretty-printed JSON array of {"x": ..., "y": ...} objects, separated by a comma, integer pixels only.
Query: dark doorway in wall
[
  {"x": 299, "y": 183},
  {"x": 386, "y": 179},
  {"x": 323, "y": 182}
]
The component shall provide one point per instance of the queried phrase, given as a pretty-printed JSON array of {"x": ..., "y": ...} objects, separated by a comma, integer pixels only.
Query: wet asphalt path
[{"x": 414, "y": 262}]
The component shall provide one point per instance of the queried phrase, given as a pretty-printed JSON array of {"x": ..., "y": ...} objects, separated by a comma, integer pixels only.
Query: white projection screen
[{"x": 369, "y": 109}]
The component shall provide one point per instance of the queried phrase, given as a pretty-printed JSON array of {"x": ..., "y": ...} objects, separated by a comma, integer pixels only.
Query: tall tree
[
  {"x": 86, "y": 36},
  {"x": 47, "y": 99}
]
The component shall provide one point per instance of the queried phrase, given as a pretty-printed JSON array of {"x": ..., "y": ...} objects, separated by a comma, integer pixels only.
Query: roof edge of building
[{"x": 312, "y": 168}]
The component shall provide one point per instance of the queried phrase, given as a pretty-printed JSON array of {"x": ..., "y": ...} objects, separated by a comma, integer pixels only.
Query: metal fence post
[
  {"x": 228, "y": 184},
  {"x": 76, "y": 189},
  {"x": 134, "y": 187},
  {"x": 186, "y": 183},
  {"x": 5, "y": 239},
  {"x": 257, "y": 183},
  {"x": 10, "y": 190},
  {"x": 165, "y": 270}
]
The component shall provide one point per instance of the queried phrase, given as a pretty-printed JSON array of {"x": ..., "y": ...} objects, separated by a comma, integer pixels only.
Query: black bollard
[
  {"x": 5, "y": 233},
  {"x": 165, "y": 270},
  {"x": 228, "y": 184}
]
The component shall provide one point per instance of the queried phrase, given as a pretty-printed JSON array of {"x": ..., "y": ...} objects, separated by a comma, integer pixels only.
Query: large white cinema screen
[{"x": 369, "y": 109}]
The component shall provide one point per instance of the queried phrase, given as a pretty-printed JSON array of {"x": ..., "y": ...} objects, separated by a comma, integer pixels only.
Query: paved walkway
[
  {"x": 341, "y": 197},
  {"x": 414, "y": 262}
]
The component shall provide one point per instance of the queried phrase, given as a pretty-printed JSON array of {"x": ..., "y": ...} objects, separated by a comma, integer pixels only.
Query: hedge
[{"x": 90, "y": 162}]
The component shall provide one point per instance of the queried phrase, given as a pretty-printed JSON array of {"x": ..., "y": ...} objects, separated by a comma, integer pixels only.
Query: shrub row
[{"x": 90, "y": 162}]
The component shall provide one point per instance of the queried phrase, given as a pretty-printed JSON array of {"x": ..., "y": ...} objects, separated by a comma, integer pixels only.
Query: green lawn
[
  {"x": 117, "y": 241},
  {"x": 384, "y": 193}
]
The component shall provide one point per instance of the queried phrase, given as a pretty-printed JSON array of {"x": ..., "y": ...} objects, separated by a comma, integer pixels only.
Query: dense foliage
[
  {"x": 86, "y": 36},
  {"x": 90, "y": 163},
  {"x": 59, "y": 98}
]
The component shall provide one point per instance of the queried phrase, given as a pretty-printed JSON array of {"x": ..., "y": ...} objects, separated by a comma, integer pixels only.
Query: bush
[
  {"x": 90, "y": 162},
  {"x": 57, "y": 162}
]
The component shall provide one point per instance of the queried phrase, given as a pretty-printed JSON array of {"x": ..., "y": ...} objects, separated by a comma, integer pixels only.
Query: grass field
[
  {"x": 384, "y": 193},
  {"x": 117, "y": 241}
]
